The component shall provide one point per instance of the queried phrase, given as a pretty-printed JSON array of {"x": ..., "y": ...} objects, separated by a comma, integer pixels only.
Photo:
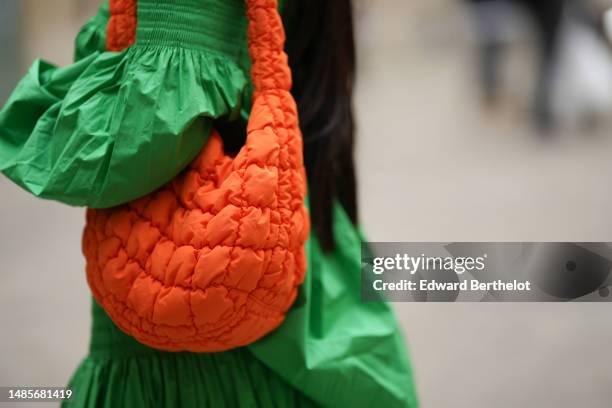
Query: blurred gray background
[{"x": 435, "y": 164}]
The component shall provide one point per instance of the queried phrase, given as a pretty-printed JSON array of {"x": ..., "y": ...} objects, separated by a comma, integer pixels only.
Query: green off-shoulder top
[{"x": 116, "y": 125}]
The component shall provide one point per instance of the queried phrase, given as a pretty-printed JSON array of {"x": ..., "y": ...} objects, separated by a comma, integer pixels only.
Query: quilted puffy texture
[
  {"x": 213, "y": 260},
  {"x": 121, "y": 29}
]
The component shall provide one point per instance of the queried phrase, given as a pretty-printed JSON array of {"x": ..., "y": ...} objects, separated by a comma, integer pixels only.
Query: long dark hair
[{"x": 321, "y": 51}]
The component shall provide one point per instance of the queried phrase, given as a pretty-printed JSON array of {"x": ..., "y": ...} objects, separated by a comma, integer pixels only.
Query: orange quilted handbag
[{"x": 212, "y": 260}]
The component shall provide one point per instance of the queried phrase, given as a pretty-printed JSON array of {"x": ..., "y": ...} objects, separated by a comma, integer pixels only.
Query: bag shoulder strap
[
  {"x": 121, "y": 27},
  {"x": 270, "y": 67}
]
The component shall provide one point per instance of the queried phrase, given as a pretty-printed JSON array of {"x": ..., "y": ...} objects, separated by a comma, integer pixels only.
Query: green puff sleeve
[{"x": 115, "y": 126}]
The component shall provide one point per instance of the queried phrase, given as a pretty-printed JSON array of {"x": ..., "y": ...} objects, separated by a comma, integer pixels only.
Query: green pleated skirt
[{"x": 120, "y": 372}]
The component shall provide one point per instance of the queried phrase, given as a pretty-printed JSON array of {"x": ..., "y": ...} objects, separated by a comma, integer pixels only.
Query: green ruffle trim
[
  {"x": 223, "y": 380},
  {"x": 114, "y": 126},
  {"x": 92, "y": 36}
]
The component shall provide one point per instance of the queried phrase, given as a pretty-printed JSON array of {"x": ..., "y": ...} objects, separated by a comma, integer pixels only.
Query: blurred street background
[{"x": 477, "y": 121}]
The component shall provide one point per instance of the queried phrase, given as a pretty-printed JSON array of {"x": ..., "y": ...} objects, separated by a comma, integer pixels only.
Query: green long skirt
[{"x": 120, "y": 372}]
